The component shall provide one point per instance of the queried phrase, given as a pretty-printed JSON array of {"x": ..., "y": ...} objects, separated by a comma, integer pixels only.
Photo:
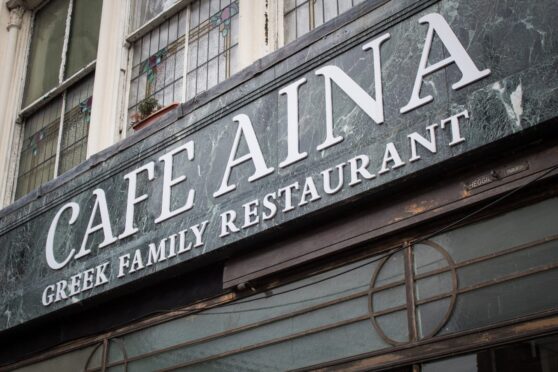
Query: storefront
[{"x": 379, "y": 194}]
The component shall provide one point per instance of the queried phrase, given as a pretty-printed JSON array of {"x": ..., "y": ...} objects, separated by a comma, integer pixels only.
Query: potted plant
[{"x": 149, "y": 110}]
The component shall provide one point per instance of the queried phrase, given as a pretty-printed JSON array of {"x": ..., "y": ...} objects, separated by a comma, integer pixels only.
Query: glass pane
[
  {"x": 537, "y": 355},
  {"x": 317, "y": 319},
  {"x": 509, "y": 264},
  {"x": 427, "y": 259},
  {"x": 394, "y": 326},
  {"x": 38, "y": 152},
  {"x": 389, "y": 298},
  {"x": 302, "y": 20},
  {"x": 158, "y": 67},
  {"x": 430, "y": 317},
  {"x": 213, "y": 38},
  {"x": 69, "y": 362},
  {"x": 503, "y": 271},
  {"x": 502, "y": 232},
  {"x": 77, "y": 116},
  {"x": 290, "y": 26},
  {"x": 301, "y": 16},
  {"x": 330, "y": 10},
  {"x": 433, "y": 286},
  {"x": 45, "y": 54},
  {"x": 84, "y": 34},
  {"x": 504, "y": 301},
  {"x": 393, "y": 270},
  {"x": 144, "y": 10}
]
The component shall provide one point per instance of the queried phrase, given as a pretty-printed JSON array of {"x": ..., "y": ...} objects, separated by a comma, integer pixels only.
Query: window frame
[
  {"x": 143, "y": 30},
  {"x": 63, "y": 83},
  {"x": 60, "y": 91}
]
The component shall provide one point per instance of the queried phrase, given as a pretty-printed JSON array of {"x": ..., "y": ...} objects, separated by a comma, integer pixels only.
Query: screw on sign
[{"x": 412, "y": 293}]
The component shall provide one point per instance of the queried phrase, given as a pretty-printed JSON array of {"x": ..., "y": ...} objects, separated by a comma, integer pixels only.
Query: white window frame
[{"x": 59, "y": 91}]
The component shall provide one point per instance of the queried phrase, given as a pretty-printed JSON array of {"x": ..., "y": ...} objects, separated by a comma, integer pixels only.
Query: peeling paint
[{"x": 517, "y": 103}]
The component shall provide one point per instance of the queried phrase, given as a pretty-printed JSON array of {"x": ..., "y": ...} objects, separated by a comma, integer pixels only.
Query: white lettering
[
  {"x": 454, "y": 127},
  {"x": 374, "y": 108},
  {"x": 391, "y": 154},
  {"x": 458, "y": 55},
  {"x": 293, "y": 154},
  {"x": 327, "y": 179},
  {"x": 227, "y": 223},
  {"x": 49, "y": 248},
  {"x": 169, "y": 183},
  {"x": 309, "y": 189},
  {"x": 270, "y": 206},
  {"x": 198, "y": 231},
  {"x": 254, "y": 153},
  {"x": 361, "y": 170},
  {"x": 251, "y": 213},
  {"x": 417, "y": 138},
  {"x": 132, "y": 200},
  {"x": 288, "y": 191},
  {"x": 101, "y": 204}
]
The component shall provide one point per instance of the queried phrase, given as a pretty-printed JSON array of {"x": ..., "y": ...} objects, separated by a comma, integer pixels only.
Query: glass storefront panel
[{"x": 539, "y": 355}]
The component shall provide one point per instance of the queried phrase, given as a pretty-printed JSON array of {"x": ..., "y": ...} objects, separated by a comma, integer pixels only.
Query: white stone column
[
  {"x": 107, "y": 112},
  {"x": 258, "y": 30},
  {"x": 9, "y": 90}
]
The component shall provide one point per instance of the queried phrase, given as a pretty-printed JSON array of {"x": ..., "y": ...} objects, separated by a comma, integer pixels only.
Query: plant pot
[{"x": 154, "y": 116}]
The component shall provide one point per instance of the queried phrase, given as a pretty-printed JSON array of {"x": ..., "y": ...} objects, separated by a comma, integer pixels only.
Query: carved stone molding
[
  {"x": 16, "y": 17},
  {"x": 27, "y": 4}
]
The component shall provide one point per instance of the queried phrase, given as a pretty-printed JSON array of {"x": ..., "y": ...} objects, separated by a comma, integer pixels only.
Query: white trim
[
  {"x": 105, "y": 124},
  {"x": 66, "y": 41},
  {"x": 126, "y": 68},
  {"x": 54, "y": 92},
  {"x": 10, "y": 149}
]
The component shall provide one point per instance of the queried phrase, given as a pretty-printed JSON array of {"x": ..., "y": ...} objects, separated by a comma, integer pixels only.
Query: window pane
[
  {"x": 46, "y": 49},
  {"x": 503, "y": 272},
  {"x": 537, "y": 355},
  {"x": 301, "y": 16},
  {"x": 314, "y": 320},
  {"x": 72, "y": 361},
  {"x": 84, "y": 34},
  {"x": 38, "y": 151},
  {"x": 158, "y": 65},
  {"x": 144, "y": 10},
  {"x": 212, "y": 44},
  {"x": 77, "y": 115}
]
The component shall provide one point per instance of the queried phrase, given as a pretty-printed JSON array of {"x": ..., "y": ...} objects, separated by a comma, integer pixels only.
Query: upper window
[
  {"x": 58, "y": 90},
  {"x": 65, "y": 37},
  {"x": 144, "y": 11},
  {"x": 302, "y": 16},
  {"x": 161, "y": 61}
]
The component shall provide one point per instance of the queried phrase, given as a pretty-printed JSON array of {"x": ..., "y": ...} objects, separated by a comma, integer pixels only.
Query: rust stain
[
  {"x": 366, "y": 364},
  {"x": 417, "y": 208},
  {"x": 536, "y": 325}
]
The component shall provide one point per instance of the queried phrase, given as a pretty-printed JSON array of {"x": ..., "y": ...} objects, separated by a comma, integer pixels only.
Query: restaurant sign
[{"x": 381, "y": 106}]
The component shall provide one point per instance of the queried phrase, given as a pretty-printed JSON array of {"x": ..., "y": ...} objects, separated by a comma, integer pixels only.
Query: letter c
[{"x": 49, "y": 249}]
